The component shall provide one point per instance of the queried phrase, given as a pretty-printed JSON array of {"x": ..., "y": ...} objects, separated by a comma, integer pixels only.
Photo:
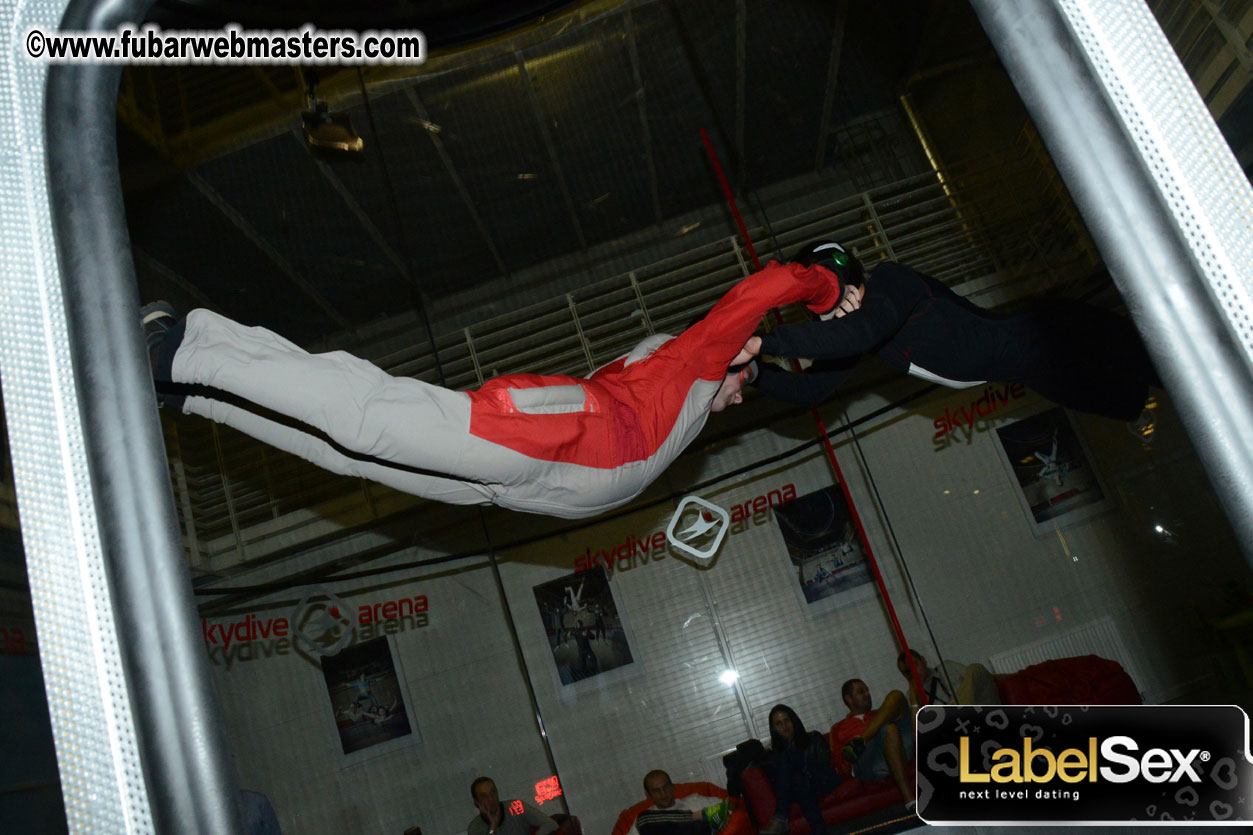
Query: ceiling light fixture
[{"x": 324, "y": 130}]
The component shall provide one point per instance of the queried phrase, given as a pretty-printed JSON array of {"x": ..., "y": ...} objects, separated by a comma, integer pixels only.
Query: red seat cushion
[
  {"x": 852, "y": 798},
  {"x": 1082, "y": 680}
]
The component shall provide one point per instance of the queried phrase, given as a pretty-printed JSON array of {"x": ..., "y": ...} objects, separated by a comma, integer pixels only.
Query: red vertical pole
[{"x": 822, "y": 432}]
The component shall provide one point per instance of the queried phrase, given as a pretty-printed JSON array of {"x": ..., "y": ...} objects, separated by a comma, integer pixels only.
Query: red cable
[{"x": 822, "y": 431}]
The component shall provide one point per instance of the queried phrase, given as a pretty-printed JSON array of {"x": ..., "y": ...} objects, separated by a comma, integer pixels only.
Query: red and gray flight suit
[{"x": 552, "y": 444}]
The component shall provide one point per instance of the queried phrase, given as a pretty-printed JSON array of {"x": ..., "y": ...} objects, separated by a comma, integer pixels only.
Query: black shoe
[
  {"x": 852, "y": 752},
  {"x": 158, "y": 319},
  {"x": 1144, "y": 427}
]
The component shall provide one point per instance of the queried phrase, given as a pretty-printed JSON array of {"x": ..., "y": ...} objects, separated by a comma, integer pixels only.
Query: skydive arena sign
[{"x": 1166, "y": 764}]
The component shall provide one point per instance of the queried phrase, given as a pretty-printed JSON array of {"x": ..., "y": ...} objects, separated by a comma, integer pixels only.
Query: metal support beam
[
  {"x": 228, "y": 494},
  {"x": 879, "y": 231},
  {"x": 641, "y": 100},
  {"x": 639, "y": 297},
  {"x": 376, "y": 234},
  {"x": 1165, "y": 200},
  {"x": 552, "y": 149},
  {"x": 578, "y": 327},
  {"x": 140, "y": 742},
  {"x": 1236, "y": 40},
  {"x": 412, "y": 94},
  {"x": 474, "y": 357},
  {"x": 833, "y": 76},
  {"x": 149, "y": 263},
  {"x": 741, "y": 59},
  {"x": 249, "y": 231},
  {"x": 184, "y": 495}
]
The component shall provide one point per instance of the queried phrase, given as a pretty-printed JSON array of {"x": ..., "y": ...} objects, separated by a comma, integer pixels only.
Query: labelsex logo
[
  {"x": 1039, "y": 765},
  {"x": 1163, "y": 764}
]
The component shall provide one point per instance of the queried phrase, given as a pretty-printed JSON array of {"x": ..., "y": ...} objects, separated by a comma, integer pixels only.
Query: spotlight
[
  {"x": 729, "y": 677},
  {"x": 326, "y": 131},
  {"x": 330, "y": 131}
]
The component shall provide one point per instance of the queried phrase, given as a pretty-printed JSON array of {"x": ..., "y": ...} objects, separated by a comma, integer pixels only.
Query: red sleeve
[
  {"x": 847, "y": 728},
  {"x": 711, "y": 344},
  {"x": 627, "y": 818},
  {"x": 842, "y": 731}
]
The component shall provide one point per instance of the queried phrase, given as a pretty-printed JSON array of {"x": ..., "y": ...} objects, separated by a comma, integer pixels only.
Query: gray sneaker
[
  {"x": 777, "y": 826},
  {"x": 158, "y": 319},
  {"x": 1143, "y": 427}
]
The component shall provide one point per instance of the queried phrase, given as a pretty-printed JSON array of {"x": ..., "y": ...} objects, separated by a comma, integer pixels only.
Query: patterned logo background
[{"x": 1219, "y": 733}]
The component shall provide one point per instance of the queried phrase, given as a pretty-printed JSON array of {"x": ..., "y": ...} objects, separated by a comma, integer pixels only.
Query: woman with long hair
[{"x": 802, "y": 771}]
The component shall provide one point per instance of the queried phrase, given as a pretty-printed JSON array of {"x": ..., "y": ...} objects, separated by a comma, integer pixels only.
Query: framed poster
[
  {"x": 367, "y": 697},
  {"x": 586, "y": 634},
  {"x": 824, "y": 551},
  {"x": 1053, "y": 474}
]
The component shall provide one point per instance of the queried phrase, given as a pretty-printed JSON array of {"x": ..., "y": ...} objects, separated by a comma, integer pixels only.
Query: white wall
[
  {"x": 985, "y": 580},
  {"x": 466, "y": 695}
]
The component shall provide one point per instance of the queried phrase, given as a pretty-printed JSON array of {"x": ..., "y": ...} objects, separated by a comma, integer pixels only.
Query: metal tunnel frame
[
  {"x": 164, "y": 763},
  {"x": 1164, "y": 199},
  {"x": 137, "y": 730}
]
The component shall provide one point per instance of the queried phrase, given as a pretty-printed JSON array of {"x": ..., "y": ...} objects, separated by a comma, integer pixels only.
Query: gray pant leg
[
  {"x": 358, "y": 405},
  {"x": 314, "y": 449}
]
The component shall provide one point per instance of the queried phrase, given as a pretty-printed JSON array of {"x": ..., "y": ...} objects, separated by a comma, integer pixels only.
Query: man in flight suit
[{"x": 553, "y": 444}]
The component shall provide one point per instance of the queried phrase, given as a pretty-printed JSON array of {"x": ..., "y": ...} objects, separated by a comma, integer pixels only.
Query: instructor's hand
[
  {"x": 751, "y": 349},
  {"x": 851, "y": 302}
]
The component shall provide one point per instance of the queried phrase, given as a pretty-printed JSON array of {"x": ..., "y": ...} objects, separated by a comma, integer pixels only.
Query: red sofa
[
  {"x": 852, "y": 799},
  {"x": 1084, "y": 680}
]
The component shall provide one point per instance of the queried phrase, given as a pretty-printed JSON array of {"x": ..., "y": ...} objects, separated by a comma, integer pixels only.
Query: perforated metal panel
[
  {"x": 1164, "y": 198},
  {"x": 1170, "y": 126},
  {"x": 91, "y": 718}
]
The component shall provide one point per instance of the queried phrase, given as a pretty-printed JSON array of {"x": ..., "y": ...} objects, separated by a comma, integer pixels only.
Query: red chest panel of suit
[{"x": 602, "y": 431}]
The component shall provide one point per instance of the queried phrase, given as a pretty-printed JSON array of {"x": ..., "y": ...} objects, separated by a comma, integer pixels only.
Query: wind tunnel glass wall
[
  {"x": 641, "y": 657},
  {"x": 544, "y": 204}
]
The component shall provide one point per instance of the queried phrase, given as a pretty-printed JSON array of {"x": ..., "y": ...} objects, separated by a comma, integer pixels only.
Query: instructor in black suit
[{"x": 1074, "y": 354}]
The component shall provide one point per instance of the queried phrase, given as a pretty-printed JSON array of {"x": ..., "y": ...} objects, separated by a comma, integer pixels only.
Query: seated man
[
  {"x": 514, "y": 817},
  {"x": 687, "y": 809},
  {"x": 950, "y": 683},
  {"x": 876, "y": 742},
  {"x": 564, "y": 446}
]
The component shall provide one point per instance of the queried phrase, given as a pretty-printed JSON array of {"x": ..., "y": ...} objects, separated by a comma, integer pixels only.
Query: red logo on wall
[
  {"x": 636, "y": 550},
  {"x": 547, "y": 789},
  {"x": 993, "y": 398}
]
